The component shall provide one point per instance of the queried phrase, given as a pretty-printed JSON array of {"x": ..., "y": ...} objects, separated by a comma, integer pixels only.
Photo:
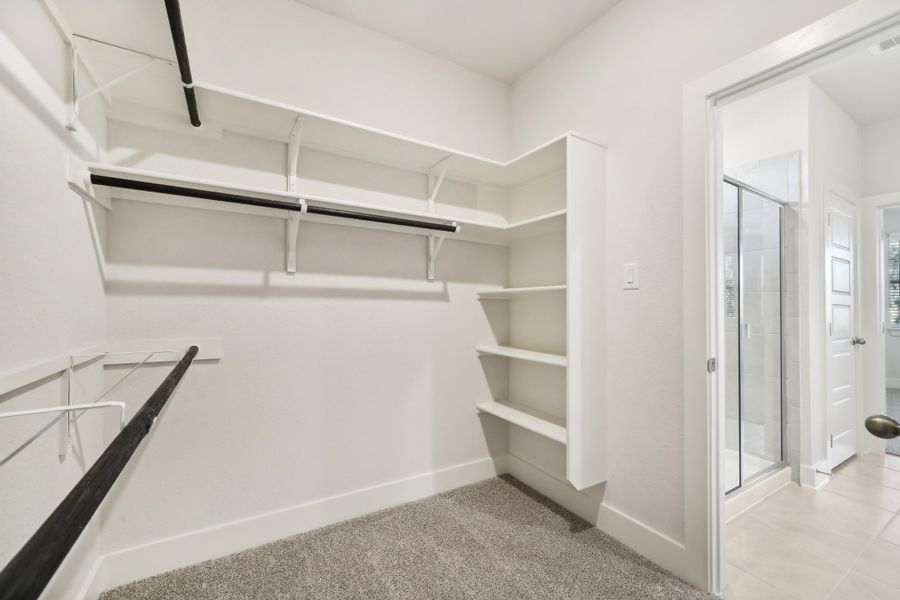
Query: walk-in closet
[{"x": 403, "y": 300}]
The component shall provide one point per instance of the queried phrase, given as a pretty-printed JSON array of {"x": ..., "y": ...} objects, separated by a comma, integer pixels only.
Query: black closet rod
[
  {"x": 29, "y": 571},
  {"x": 173, "y": 10},
  {"x": 161, "y": 188}
]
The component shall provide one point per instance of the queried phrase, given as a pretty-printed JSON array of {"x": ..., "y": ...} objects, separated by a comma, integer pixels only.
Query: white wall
[
  {"x": 51, "y": 293},
  {"x": 881, "y": 152},
  {"x": 288, "y": 52},
  {"x": 767, "y": 124},
  {"x": 352, "y": 373},
  {"x": 835, "y": 163}
]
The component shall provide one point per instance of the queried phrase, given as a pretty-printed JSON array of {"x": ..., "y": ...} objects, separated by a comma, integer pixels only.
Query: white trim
[
  {"x": 702, "y": 319},
  {"x": 812, "y": 476},
  {"x": 654, "y": 545},
  {"x": 872, "y": 309},
  {"x": 13, "y": 380},
  {"x": 91, "y": 586},
  {"x": 123, "y": 566},
  {"x": 747, "y": 497}
]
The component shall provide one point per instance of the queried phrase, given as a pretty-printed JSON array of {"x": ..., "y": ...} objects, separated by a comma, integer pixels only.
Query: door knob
[
  {"x": 858, "y": 341},
  {"x": 883, "y": 426}
]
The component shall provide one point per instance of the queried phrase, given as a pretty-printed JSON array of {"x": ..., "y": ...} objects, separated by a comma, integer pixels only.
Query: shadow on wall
[{"x": 157, "y": 249}]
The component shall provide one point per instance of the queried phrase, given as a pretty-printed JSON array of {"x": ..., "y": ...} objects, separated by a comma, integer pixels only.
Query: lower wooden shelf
[
  {"x": 526, "y": 418},
  {"x": 557, "y": 360}
]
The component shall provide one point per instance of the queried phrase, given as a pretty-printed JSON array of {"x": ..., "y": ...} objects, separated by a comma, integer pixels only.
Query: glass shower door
[
  {"x": 731, "y": 460},
  {"x": 753, "y": 335}
]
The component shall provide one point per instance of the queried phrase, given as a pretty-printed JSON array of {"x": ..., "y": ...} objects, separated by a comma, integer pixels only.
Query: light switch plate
[{"x": 630, "y": 276}]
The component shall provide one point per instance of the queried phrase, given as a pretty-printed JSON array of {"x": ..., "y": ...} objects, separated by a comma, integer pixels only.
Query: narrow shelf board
[
  {"x": 528, "y": 355},
  {"x": 507, "y": 293},
  {"x": 526, "y": 418}
]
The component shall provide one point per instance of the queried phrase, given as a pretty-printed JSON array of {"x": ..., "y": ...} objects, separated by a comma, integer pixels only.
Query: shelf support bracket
[
  {"x": 100, "y": 89},
  {"x": 433, "y": 247},
  {"x": 435, "y": 179},
  {"x": 292, "y": 232}
]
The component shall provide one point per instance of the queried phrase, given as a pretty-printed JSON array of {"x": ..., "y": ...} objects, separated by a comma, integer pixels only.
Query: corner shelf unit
[
  {"x": 456, "y": 186},
  {"x": 557, "y": 396}
]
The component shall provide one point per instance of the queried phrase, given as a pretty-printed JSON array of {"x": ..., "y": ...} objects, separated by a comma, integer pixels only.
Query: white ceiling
[
  {"x": 500, "y": 38},
  {"x": 867, "y": 86}
]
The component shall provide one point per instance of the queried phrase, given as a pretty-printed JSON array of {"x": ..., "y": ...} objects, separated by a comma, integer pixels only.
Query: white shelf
[
  {"x": 556, "y": 360},
  {"x": 469, "y": 230},
  {"x": 526, "y": 418},
  {"x": 508, "y": 293},
  {"x": 273, "y": 120}
]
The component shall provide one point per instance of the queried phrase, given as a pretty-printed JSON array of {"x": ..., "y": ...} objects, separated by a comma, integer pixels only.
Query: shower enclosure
[{"x": 753, "y": 335}]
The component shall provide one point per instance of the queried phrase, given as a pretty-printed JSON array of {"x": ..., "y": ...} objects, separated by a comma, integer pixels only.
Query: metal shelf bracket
[
  {"x": 434, "y": 244},
  {"x": 77, "y": 98},
  {"x": 292, "y": 227},
  {"x": 436, "y": 174}
]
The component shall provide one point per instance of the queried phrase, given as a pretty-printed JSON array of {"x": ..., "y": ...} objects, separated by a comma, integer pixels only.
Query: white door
[{"x": 840, "y": 376}]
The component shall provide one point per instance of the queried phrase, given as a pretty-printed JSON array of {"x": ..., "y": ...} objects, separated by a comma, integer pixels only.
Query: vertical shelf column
[{"x": 586, "y": 463}]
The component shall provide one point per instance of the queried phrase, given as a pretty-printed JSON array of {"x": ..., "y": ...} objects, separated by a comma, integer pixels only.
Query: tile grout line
[{"x": 876, "y": 537}]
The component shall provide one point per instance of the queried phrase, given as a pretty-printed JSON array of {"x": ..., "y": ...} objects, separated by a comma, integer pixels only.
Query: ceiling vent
[{"x": 883, "y": 46}]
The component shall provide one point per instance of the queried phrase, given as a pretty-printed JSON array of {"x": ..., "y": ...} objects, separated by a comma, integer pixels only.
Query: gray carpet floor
[
  {"x": 893, "y": 410},
  {"x": 497, "y": 539}
]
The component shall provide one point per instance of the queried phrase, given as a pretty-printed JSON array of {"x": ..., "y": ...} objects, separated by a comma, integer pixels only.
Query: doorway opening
[{"x": 812, "y": 382}]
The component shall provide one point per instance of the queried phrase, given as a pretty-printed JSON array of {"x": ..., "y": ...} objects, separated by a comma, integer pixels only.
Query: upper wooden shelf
[{"x": 274, "y": 120}]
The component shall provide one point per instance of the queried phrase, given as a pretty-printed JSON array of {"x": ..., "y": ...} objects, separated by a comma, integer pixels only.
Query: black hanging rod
[
  {"x": 173, "y": 10},
  {"x": 29, "y": 571},
  {"x": 175, "y": 190}
]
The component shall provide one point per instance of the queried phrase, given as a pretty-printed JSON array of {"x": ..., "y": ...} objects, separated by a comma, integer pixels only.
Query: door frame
[
  {"x": 703, "y": 291},
  {"x": 873, "y": 306}
]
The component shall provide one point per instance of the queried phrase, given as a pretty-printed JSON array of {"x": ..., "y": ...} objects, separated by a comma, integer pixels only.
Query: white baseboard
[
  {"x": 811, "y": 477},
  {"x": 124, "y": 566},
  {"x": 92, "y": 586},
  {"x": 654, "y": 545}
]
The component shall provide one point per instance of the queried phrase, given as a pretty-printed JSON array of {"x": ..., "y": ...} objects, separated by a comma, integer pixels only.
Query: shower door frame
[{"x": 741, "y": 188}]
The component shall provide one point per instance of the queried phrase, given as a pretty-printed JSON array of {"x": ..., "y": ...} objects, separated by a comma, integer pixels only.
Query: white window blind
[{"x": 893, "y": 279}]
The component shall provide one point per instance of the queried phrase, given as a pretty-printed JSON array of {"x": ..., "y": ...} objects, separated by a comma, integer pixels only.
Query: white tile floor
[{"x": 840, "y": 543}]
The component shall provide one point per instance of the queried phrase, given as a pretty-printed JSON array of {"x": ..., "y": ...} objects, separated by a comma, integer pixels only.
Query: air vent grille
[{"x": 885, "y": 45}]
